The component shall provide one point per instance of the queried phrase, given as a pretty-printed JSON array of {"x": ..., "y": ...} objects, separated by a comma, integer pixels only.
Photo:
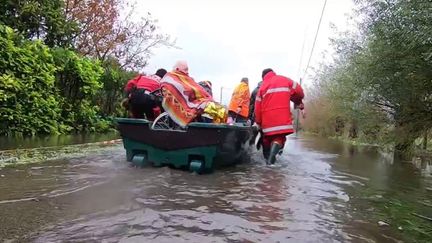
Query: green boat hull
[{"x": 202, "y": 147}]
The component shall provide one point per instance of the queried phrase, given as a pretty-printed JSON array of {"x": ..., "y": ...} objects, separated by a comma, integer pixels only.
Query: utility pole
[
  {"x": 298, "y": 115},
  {"x": 221, "y": 94}
]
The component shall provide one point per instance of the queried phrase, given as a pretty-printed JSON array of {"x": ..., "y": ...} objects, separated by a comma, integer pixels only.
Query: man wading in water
[{"x": 273, "y": 111}]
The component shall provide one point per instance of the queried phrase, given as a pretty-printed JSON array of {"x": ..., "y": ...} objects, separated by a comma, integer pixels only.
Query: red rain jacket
[
  {"x": 150, "y": 83},
  {"x": 272, "y": 104}
]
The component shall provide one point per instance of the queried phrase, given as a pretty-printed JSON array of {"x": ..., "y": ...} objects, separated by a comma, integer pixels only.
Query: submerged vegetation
[
  {"x": 395, "y": 211},
  {"x": 34, "y": 155}
]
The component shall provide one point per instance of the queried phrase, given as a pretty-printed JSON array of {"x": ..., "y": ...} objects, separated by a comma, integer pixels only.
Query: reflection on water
[
  {"x": 53, "y": 140},
  {"x": 321, "y": 191}
]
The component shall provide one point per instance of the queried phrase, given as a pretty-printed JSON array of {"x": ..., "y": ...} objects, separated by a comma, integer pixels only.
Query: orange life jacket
[{"x": 240, "y": 99}]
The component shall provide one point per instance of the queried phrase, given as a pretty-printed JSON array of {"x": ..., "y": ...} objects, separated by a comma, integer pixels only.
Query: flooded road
[{"x": 321, "y": 191}]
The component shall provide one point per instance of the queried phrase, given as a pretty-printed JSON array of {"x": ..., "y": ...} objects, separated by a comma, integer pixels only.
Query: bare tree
[{"x": 104, "y": 32}]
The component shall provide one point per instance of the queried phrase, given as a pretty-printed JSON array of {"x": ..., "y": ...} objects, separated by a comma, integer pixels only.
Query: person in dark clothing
[
  {"x": 252, "y": 103},
  {"x": 144, "y": 103},
  {"x": 143, "y": 98},
  {"x": 207, "y": 85}
]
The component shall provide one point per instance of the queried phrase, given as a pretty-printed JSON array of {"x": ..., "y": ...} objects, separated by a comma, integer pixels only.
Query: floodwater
[{"x": 320, "y": 191}]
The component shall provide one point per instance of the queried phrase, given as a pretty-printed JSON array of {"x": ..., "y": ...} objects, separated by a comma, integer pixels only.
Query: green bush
[
  {"x": 78, "y": 81},
  {"x": 114, "y": 79},
  {"x": 28, "y": 101},
  {"x": 47, "y": 91}
]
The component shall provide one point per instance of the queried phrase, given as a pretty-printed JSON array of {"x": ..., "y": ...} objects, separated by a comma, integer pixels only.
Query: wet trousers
[
  {"x": 267, "y": 140},
  {"x": 142, "y": 103}
]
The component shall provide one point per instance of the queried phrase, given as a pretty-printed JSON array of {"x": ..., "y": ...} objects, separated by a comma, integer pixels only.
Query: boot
[
  {"x": 258, "y": 140},
  {"x": 266, "y": 152},
  {"x": 274, "y": 150}
]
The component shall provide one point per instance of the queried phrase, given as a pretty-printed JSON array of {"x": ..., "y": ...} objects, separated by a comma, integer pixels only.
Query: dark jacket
[{"x": 252, "y": 103}]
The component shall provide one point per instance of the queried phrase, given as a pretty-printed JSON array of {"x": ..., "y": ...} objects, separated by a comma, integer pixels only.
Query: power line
[
  {"x": 316, "y": 35},
  {"x": 310, "y": 57}
]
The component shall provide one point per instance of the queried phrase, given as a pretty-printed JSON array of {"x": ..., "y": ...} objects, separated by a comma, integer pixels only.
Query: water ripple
[{"x": 306, "y": 198}]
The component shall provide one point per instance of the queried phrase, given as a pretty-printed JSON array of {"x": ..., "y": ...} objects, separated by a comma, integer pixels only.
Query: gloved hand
[
  {"x": 230, "y": 120},
  {"x": 257, "y": 126},
  {"x": 299, "y": 106}
]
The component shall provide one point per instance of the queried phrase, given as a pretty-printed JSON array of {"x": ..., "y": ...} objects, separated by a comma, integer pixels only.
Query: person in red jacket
[
  {"x": 273, "y": 111},
  {"x": 143, "y": 99}
]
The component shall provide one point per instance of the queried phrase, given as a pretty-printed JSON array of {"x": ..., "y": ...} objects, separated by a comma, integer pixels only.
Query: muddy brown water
[{"x": 320, "y": 191}]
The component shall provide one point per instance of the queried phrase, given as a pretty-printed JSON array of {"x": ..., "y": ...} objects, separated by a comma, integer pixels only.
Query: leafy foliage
[
  {"x": 78, "y": 80},
  {"x": 28, "y": 103},
  {"x": 114, "y": 79},
  {"x": 40, "y": 19},
  {"x": 380, "y": 79},
  {"x": 47, "y": 91},
  {"x": 64, "y": 63}
]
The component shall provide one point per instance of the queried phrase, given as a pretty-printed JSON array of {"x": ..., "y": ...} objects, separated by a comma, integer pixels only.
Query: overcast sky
[{"x": 225, "y": 40}]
